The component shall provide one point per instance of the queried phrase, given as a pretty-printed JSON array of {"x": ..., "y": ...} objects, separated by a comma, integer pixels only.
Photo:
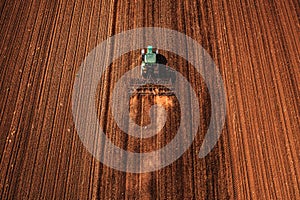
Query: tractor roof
[{"x": 149, "y": 49}]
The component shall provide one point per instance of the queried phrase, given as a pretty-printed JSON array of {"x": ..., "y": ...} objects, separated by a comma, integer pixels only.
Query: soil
[{"x": 254, "y": 44}]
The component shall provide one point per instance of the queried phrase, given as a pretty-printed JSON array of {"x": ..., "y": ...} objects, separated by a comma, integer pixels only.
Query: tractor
[{"x": 154, "y": 70}]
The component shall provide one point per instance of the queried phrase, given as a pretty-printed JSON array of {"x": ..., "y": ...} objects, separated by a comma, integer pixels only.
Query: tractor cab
[
  {"x": 150, "y": 57},
  {"x": 149, "y": 67}
]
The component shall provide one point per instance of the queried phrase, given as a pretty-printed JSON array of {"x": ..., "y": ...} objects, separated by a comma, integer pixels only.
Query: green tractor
[
  {"x": 149, "y": 66},
  {"x": 154, "y": 68}
]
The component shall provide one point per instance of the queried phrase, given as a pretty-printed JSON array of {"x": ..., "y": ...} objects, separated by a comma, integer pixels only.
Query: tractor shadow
[{"x": 161, "y": 59}]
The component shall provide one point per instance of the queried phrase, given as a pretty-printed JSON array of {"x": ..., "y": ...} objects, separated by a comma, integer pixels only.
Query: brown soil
[{"x": 254, "y": 44}]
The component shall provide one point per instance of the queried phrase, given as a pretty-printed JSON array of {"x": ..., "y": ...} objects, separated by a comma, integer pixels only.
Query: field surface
[{"x": 254, "y": 44}]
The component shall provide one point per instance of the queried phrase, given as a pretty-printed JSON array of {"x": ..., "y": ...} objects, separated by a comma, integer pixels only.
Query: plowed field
[{"x": 254, "y": 44}]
